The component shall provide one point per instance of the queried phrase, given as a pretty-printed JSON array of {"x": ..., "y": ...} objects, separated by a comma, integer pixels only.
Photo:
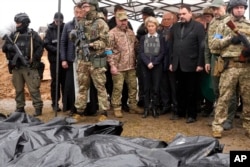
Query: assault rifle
[
  {"x": 18, "y": 55},
  {"x": 81, "y": 42},
  {"x": 242, "y": 37}
]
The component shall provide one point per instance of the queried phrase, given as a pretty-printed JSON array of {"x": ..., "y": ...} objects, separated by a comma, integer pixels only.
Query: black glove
[
  {"x": 10, "y": 48},
  {"x": 246, "y": 52},
  {"x": 235, "y": 40}
]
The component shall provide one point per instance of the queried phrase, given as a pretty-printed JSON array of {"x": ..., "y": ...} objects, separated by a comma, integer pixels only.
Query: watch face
[{"x": 76, "y": 1}]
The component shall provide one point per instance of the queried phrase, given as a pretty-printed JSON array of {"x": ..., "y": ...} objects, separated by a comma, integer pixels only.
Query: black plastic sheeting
[{"x": 25, "y": 141}]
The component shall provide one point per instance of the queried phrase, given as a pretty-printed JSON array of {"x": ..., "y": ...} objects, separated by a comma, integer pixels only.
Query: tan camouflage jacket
[
  {"x": 123, "y": 45},
  {"x": 212, "y": 30},
  {"x": 224, "y": 44}
]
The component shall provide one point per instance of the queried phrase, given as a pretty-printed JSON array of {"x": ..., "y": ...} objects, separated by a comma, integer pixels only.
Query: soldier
[
  {"x": 219, "y": 10},
  {"x": 91, "y": 57},
  {"x": 232, "y": 41},
  {"x": 122, "y": 63},
  {"x": 31, "y": 47}
]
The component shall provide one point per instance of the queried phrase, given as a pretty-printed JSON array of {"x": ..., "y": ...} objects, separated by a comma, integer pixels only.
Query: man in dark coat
[
  {"x": 187, "y": 60},
  {"x": 50, "y": 44}
]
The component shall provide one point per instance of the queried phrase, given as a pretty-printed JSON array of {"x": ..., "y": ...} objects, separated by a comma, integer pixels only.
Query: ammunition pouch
[
  {"x": 219, "y": 66},
  {"x": 99, "y": 60}
]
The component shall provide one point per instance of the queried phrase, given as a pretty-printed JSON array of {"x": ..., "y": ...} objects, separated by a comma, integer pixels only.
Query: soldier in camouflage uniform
[
  {"x": 31, "y": 47},
  {"x": 91, "y": 60},
  {"x": 211, "y": 56},
  {"x": 122, "y": 63},
  {"x": 236, "y": 65}
]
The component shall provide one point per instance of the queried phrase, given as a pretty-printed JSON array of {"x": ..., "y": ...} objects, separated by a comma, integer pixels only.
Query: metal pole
[{"x": 57, "y": 56}]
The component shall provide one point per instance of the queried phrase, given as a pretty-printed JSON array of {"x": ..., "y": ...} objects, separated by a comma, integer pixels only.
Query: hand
[
  {"x": 114, "y": 70},
  {"x": 207, "y": 68},
  {"x": 65, "y": 64},
  {"x": 199, "y": 68},
  {"x": 170, "y": 68},
  {"x": 150, "y": 65},
  {"x": 235, "y": 40},
  {"x": 10, "y": 48}
]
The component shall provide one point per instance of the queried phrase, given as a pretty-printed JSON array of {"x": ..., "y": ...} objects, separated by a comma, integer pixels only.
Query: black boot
[
  {"x": 154, "y": 112},
  {"x": 20, "y": 110},
  {"x": 38, "y": 112},
  {"x": 145, "y": 114}
]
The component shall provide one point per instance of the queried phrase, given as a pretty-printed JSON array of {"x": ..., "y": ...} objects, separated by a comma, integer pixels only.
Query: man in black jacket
[
  {"x": 67, "y": 55},
  {"x": 50, "y": 44},
  {"x": 187, "y": 59}
]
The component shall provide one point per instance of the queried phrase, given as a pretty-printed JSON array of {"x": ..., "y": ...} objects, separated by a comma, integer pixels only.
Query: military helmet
[
  {"x": 234, "y": 3},
  {"x": 92, "y": 2},
  {"x": 22, "y": 18}
]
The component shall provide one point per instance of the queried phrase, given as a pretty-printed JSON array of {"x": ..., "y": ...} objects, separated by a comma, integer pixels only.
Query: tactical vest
[
  {"x": 23, "y": 41},
  {"x": 151, "y": 45}
]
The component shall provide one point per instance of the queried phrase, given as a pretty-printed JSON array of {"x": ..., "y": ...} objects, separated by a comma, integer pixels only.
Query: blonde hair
[{"x": 151, "y": 19}]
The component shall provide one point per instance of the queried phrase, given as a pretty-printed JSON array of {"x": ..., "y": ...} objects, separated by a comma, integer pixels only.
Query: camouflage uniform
[
  {"x": 213, "y": 57},
  {"x": 123, "y": 44},
  {"x": 92, "y": 65},
  {"x": 236, "y": 72}
]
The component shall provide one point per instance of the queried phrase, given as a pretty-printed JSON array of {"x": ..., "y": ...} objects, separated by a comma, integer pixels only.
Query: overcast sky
[{"x": 41, "y": 12}]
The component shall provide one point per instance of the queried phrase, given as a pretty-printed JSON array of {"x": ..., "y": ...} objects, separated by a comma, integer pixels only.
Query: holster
[{"x": 219, "y": 66}]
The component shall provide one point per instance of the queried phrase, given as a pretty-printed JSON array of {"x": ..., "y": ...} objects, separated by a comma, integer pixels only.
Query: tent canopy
[{"x": 134, "y": 7}]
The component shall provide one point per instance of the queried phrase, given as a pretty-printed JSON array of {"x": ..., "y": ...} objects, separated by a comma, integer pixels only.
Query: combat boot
[
  {"x": 118, "y": 113},
  {"x": 103, "y": 116},
  {"x": 217, "y": 134},
  {"x": 20, "y": 110},
  {"x": 38, "y": 112},
  {"x": 134, "y": 109},
  {"x": 227, "y": 125}
]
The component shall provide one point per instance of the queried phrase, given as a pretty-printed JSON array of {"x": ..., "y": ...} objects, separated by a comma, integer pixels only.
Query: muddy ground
[{"x": 160, "y": 128}]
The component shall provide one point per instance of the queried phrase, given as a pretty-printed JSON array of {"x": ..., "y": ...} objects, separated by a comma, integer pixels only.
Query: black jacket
[
  {"x": 187, "y": 52},
  {"x": 67, "y": 48},
  {"x": 50, "y": 41}
]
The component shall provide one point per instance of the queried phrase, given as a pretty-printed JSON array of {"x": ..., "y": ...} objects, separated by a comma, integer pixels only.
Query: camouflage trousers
[
  {"x": 118, "y": 80},
  {"x": 85, "y": 70},
  {"x": 229, "y": 80},
  {"x": 232, "y": 107},
  {"x": 31, "y": 78}
]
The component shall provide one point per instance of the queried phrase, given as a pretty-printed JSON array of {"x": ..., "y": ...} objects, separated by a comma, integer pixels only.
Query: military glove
[
  {"x": 235, "y": 40},
  {"x": 73, "y": 35},
  {"x": 10, "y": 48},
  {"x": 246, "y": 52}
]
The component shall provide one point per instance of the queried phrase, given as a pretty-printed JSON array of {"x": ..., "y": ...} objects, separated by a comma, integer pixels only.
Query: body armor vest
[
  {"x": 23, "y": 41},
  {"x": 152, "y": 45}
]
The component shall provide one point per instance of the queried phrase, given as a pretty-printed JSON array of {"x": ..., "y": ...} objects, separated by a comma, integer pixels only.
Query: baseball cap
[
  {"x": 217, "y": 3},
  {"x": 121, "y": 15}
]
